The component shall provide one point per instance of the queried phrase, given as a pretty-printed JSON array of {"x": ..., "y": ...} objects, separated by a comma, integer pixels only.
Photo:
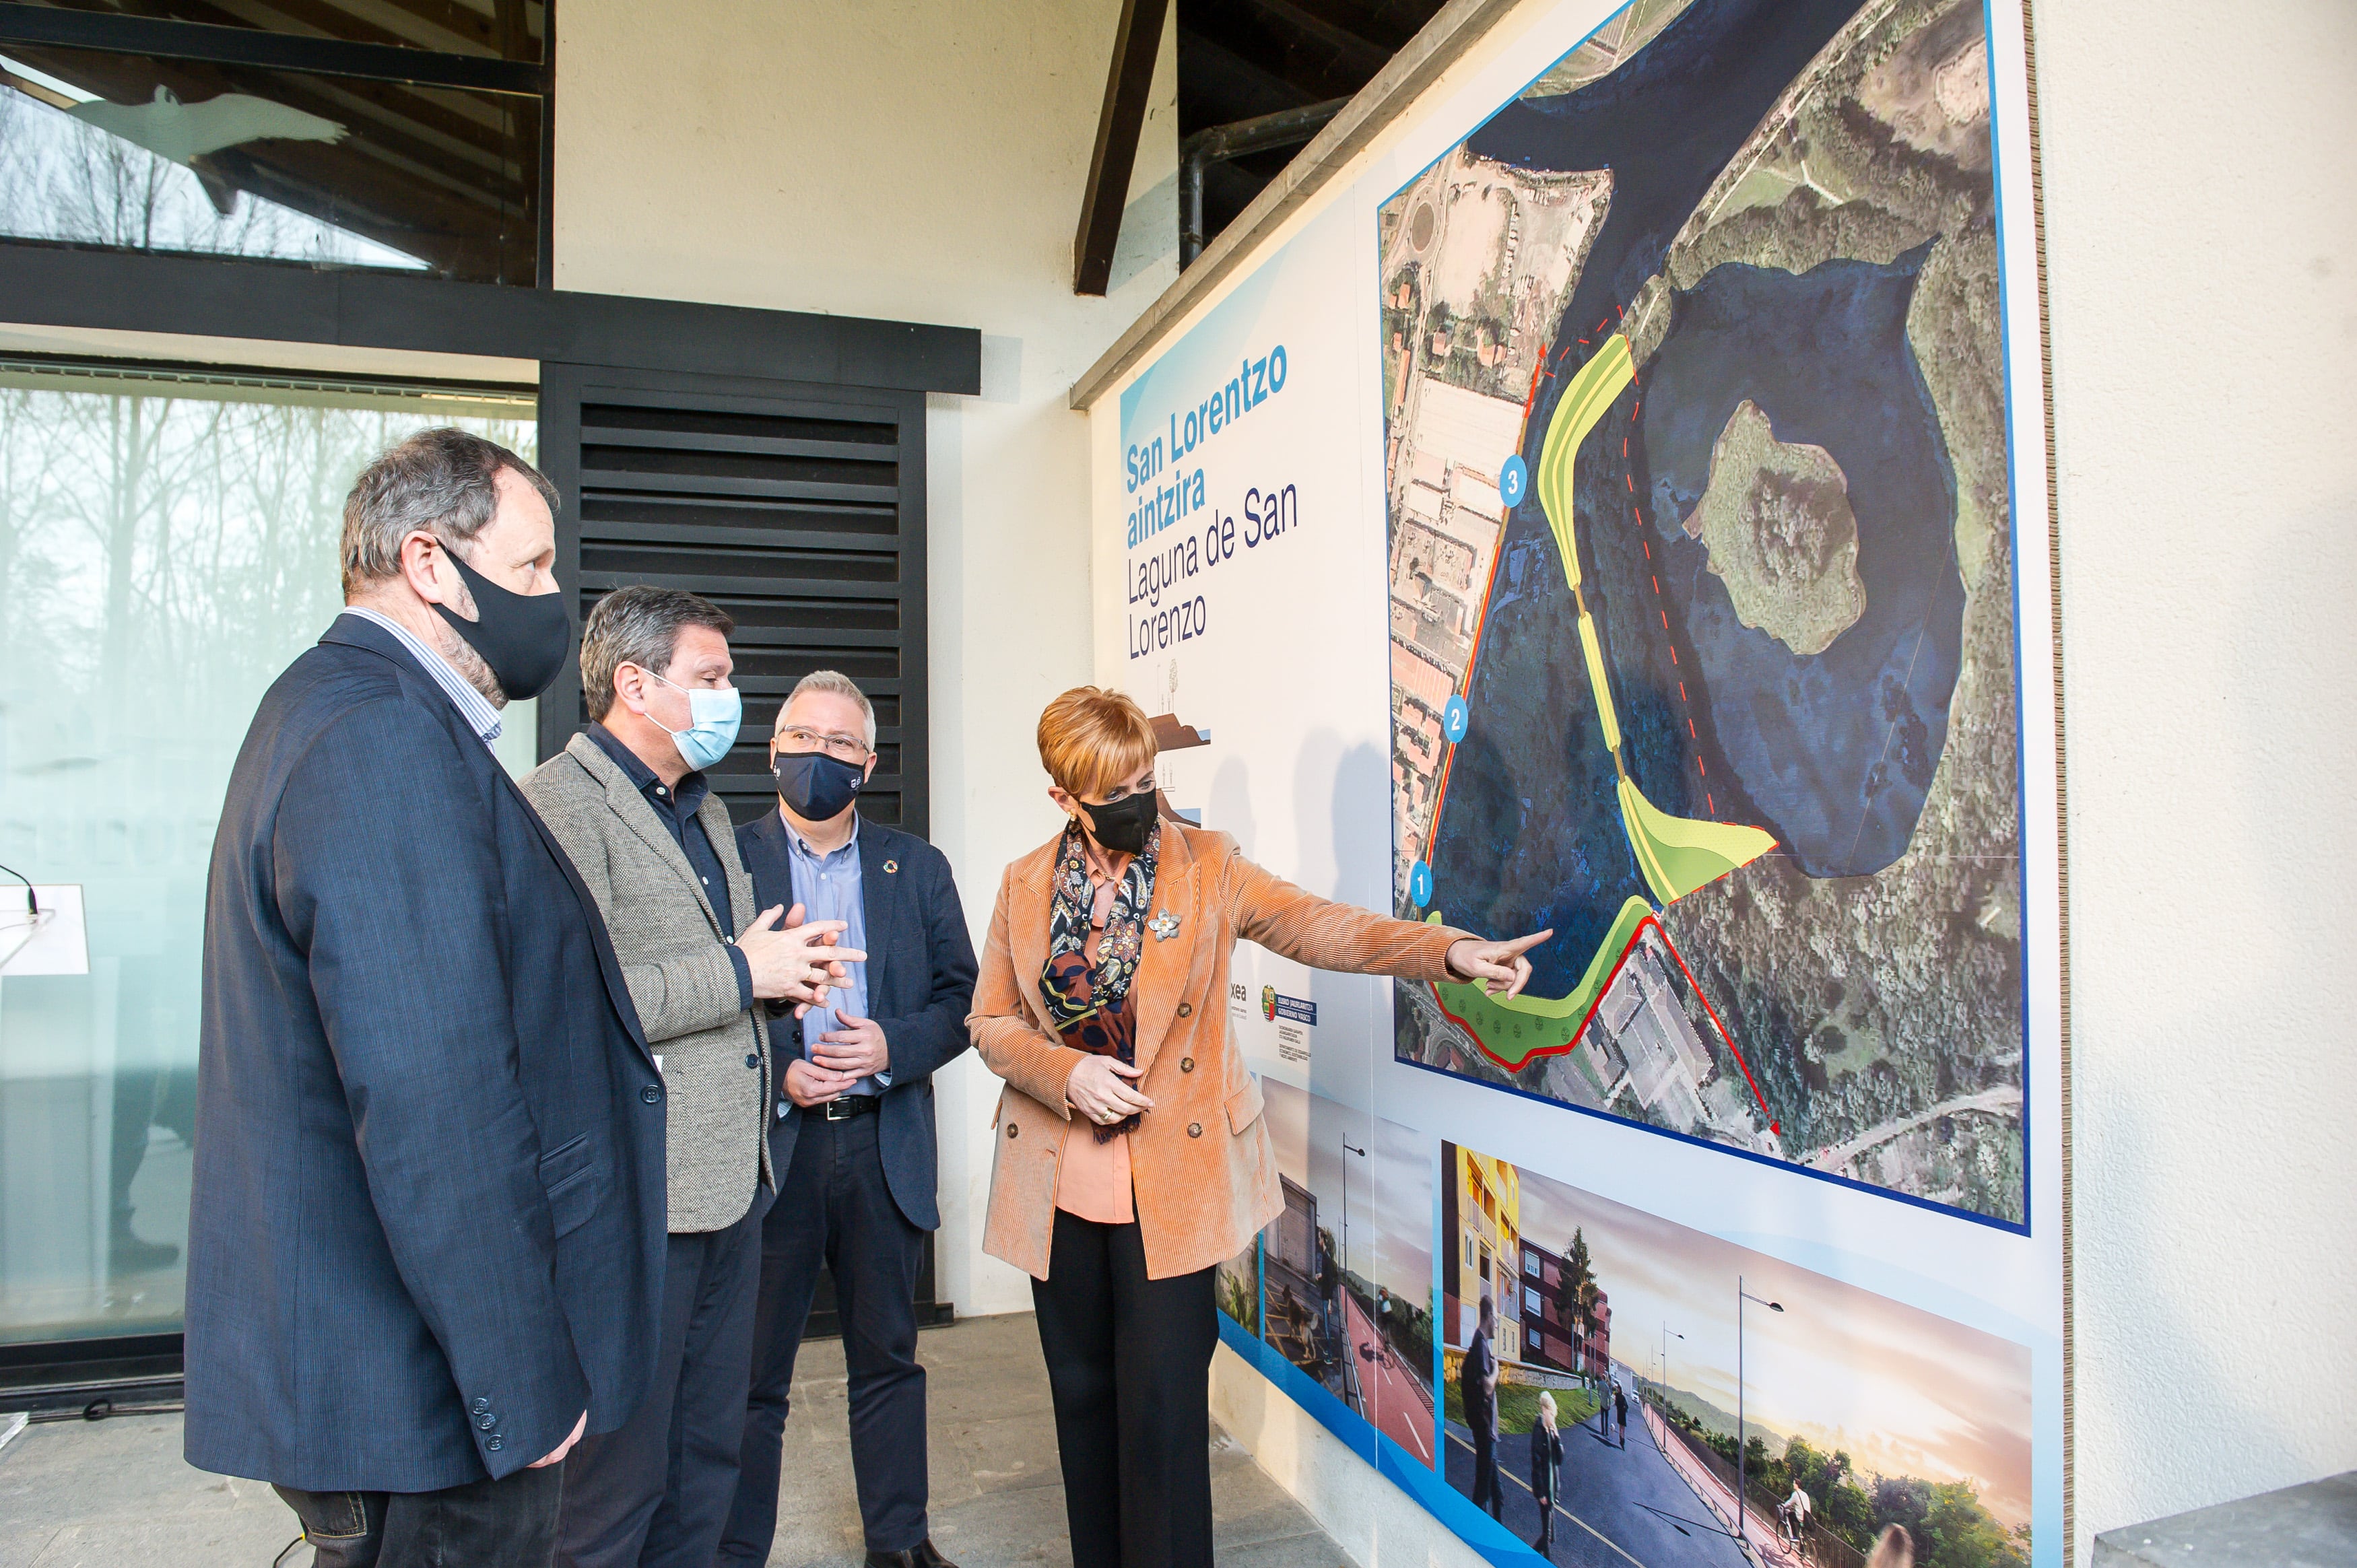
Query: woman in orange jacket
[{"x": 1132, "y": 1158}]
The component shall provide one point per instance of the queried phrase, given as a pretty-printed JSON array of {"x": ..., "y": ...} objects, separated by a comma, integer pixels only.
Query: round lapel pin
[{"x": 891, "y": 866}]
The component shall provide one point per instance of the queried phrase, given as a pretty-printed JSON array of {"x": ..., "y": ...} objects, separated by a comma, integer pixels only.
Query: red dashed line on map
[
  {"x": 1572, "y": 1043},
  {"x": 1637, "y": 519}
]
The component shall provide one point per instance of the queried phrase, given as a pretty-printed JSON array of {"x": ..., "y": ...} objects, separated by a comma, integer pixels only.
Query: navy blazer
[
  {"x": 920, "y": 972},
  {"x": 426, "y": 1224}
]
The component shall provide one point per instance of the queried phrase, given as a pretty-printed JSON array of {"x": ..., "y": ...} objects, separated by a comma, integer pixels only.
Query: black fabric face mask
[
  {"x": 1122, "y": 825},
  {"x": 523, "y": 637},
  {"x": 816, "y": 787}
]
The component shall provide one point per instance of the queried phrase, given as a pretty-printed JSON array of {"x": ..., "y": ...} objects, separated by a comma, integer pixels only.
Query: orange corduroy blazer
[{"x": 1203, "y": 1168}]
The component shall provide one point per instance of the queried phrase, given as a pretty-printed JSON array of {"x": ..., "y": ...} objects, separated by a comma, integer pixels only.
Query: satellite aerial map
[{"x": 1701, "y": 590}]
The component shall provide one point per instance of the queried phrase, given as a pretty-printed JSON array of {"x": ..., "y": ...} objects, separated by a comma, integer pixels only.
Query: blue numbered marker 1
[
  {"x": 1419, "y": 883},
  {"x": 1454, "y": 720},
  {"x": 1514, "y": 480}
]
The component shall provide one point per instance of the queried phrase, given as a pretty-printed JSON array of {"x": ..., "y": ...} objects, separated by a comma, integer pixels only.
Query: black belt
[{"x": 844, "y": 1108}]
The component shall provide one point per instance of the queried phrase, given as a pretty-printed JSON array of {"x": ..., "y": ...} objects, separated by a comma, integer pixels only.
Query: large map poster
[
  {"x": 1701, "y": 590},
  {"x": 1617, "y": 505}
]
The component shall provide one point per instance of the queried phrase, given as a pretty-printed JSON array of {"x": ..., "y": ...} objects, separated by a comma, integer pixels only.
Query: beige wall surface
[
  {"x": 920, "y": 162},
  {"x": 2202, "y": 293}
]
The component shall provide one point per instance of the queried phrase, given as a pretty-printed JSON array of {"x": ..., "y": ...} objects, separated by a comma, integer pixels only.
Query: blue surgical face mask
[{"x": 713, "y": 717}]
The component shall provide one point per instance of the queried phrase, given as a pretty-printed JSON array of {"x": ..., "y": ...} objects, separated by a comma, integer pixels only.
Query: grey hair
[
  {"x": 639, "y": 624},
  {"x": 442, "y": 481},
  {"x": 842, "y": 685}
]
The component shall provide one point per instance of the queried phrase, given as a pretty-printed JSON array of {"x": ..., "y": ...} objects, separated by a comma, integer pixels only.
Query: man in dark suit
[
  {"x": 852, "y": 1139},
  {"x": 1478, "y": 1381},
  {"x": 425, "y": 1242}
]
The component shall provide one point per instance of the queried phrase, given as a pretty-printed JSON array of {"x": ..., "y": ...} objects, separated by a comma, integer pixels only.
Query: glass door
[{"x": 167, "y": 545}]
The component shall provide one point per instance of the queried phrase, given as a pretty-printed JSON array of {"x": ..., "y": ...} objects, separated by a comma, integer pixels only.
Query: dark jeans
[
  {"x": 654, "y": 1493},
  {"x": 1129, "y": 1366},
  {"x": 1487, "y": 1492},
  {"x": 833, "y": 1208},
  {"x": 507, "y": 1523}
]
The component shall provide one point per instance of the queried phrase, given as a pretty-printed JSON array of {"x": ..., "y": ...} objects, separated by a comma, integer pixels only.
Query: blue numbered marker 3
[
  {"x": 1419, "y": 883},
  {"x": 1513, "y": 481},
  {"x": 1454, "y": 720}
]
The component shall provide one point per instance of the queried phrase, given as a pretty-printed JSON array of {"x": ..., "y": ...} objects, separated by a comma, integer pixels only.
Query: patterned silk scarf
[{"x": 1090, "y": 1006}]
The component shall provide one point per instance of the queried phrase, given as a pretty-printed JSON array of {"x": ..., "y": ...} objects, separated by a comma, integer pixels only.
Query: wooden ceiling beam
[{"x": 1119, "y": 123}]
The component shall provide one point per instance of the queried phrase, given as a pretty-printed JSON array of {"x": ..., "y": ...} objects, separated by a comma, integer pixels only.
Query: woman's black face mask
[{"x": 1122, "y": 825}]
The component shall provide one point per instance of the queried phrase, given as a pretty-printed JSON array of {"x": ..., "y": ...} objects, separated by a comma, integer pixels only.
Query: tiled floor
[{"x": 116, "y": 1491}]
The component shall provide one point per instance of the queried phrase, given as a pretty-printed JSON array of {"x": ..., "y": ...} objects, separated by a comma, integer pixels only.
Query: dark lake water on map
[
  {"x": 1834, "y": 750},
  {"x": 1530, "y": 833}
]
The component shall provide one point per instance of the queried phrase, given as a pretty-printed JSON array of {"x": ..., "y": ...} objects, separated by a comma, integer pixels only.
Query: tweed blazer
[
  {"x": 674, "y": 957},
  {"x": 1203, "y": 1168}
]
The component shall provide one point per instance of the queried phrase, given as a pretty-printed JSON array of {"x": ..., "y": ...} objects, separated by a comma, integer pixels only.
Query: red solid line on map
[{"x": 1618, "y": 965}]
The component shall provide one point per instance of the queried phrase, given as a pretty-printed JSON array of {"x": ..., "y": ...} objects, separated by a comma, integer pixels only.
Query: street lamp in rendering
[
  {"x": 1348, "y": 1148},
  {"x": 1661, "y": 1383},
  {"x": 1743, "y": 1449}
]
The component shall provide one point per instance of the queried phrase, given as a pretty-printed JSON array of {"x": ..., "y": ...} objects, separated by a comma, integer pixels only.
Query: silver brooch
[{"x": 1164, "y": 926}]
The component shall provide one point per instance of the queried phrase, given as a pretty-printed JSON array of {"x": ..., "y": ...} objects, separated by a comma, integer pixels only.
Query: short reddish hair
[{"x": 1092, "y": 739}]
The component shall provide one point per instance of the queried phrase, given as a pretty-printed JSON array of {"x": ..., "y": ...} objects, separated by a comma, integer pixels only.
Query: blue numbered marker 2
[
  {"x": 1514, "y": 480},
  {"x": 1454, "y": 720},
  {"x": 1419, "y": 883}
]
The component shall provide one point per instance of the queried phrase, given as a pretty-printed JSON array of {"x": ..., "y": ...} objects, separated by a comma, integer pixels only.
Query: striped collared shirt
[{"x": 473, "y": 706}]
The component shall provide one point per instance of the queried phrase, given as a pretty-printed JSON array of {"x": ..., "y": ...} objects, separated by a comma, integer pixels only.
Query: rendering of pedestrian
[
  {"x": 1894, "y": 1549},
  {"x": 1546, "y": 1470},
  {"x": 1620, "y": 1410},
  {"x": 1479, "y": 1381}
]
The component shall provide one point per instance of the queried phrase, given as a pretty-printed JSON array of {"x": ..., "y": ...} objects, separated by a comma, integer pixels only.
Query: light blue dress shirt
[
  {"x": 476, "y": 708},
  {"x": 829, "y": 888}
]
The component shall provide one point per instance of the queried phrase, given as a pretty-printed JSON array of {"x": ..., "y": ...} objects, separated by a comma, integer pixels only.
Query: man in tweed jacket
[{"x": 655, "y": 847}]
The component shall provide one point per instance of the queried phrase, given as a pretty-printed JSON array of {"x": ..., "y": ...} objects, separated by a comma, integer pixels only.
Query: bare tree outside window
[{"x": 168, "y": 545}]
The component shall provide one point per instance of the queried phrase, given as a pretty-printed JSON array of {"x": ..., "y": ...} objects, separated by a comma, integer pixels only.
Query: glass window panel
[
  {"x": 167, "y": 546},
  {"x": 136, "y": 154},
  {"x": 501, "y": 30}
]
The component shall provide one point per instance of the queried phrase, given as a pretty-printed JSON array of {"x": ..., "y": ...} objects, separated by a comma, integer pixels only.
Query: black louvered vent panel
[{"x": 797, "y": 509}]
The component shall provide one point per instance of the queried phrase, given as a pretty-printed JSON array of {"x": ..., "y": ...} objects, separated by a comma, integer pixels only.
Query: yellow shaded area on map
[
  {"x": 1679, "y": 855},
  {"x": 1515, "y": 1030},
  {"x": 1676, "y": 854}
]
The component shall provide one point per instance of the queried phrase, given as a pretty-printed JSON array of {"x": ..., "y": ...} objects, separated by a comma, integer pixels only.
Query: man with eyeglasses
[{"x": 852, "y": 1133}]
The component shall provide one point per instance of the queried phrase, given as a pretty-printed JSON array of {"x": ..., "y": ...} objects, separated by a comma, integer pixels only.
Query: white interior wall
[
  {"x": 2203, "y": 300},
  {"x": 921, "y": 162}
]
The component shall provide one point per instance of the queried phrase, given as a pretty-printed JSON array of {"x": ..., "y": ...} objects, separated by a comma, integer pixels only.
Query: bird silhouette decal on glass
[{"x": 183, "y": 132}]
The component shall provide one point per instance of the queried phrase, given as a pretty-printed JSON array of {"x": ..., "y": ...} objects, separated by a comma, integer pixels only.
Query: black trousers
[
  {"x": 1129, "y": 1367},
  {"x": 833, "y": 1208},
  {"x": 655, "y": 1492},
  {"x": 506, "y": 1523},
  {"x": 1487, "y": 1491}
]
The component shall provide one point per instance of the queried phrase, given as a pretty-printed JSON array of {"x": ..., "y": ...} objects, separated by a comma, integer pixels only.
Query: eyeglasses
[{"x": 842, "y": 748}]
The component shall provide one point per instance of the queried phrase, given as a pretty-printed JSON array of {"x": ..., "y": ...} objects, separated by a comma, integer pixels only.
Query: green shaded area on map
[{"x": 1514, "y": 1029}]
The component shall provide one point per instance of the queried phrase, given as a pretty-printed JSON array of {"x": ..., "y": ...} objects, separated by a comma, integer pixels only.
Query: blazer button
[
  {"x": 1012, "y": 1129},
  {"x": 486, "y": 1421},
  {"x": 1194, "y": 1129},
  {"x": 752, "y": 1058},
  {"x": 481, "y": 1405},
  {"x": 1186, "y": 1064},
  {"x": 650, "y": 1094},
  {"x": 495, "y": 1443},
  {"x": 1186, "y": 1009}
]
